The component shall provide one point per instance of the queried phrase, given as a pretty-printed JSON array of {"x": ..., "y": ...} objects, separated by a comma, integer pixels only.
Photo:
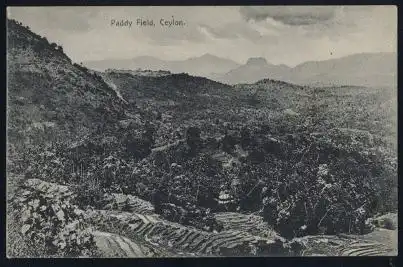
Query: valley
[{"x": 149, "y": 163}]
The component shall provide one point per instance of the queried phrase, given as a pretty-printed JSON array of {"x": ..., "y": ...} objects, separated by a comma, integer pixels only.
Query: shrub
[
  {"x": 313, "y": 197},
  {"x": 52, "y": 222},
  {"x": 53, "y": 46},
  {"x": 193, "y": 137},
  {"x": 89, "y": 192}
]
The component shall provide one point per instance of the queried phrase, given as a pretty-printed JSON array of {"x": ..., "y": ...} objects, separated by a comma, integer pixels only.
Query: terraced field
[
  {"x": 181, "y": 240},
  {"x": 128, "y": 227},
  {"x": 127, "y": 203},
  {"x": 380, "y": 242},
  {"x": 115, "y": 246},
  {"x": 248, "y": 223}
]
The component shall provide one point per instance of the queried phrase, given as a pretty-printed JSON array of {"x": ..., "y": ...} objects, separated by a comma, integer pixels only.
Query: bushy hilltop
[
  {"x": 50, "y": 98},
  {"x": 140, "y": 72},
  {"x": 174, "y": 87},
  {"x": 308, "y": 160}
]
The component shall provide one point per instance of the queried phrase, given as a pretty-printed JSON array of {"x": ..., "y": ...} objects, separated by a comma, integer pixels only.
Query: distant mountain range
[
  {"x": 199, "y": 66},
  {"x": 368, "y": 69},
  {"x": 364, "y": 69}
]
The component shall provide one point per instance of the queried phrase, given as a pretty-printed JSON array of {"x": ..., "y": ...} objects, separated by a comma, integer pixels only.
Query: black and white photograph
[{"x": 201, "y": 131}]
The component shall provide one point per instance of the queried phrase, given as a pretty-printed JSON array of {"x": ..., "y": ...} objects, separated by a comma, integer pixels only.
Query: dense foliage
[
  {"x": 302, "y": 183},
  {"x": 302, "y": 180},
  {"x": 52, "y": 222}
]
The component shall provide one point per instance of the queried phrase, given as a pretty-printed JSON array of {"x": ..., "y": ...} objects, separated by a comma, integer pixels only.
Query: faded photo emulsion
[{"x": 202, "y": 131}]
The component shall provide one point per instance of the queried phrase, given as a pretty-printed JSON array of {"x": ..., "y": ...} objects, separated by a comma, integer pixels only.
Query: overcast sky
[{"x": 282, "y": 34}]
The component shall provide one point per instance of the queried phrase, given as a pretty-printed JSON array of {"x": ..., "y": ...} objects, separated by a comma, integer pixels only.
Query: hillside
[
  {"x": 130, "y": 163},
  {"x": 46, "y": 89}
]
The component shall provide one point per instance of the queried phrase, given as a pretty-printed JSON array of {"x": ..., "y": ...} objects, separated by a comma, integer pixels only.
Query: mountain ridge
[
  {"x": 361, "y": 69},
  {"x": 201, "y": 66}
]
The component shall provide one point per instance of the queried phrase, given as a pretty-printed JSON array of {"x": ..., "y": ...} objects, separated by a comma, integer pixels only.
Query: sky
[{"x": 282, "y": 34}]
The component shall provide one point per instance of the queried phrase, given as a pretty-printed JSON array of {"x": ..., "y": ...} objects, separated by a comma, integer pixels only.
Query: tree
[
  {"x": 60, "y": 48},
  {"x": 228, "y": 143},
  {"x": 245, "y": 137},
  {"x": 149, "y": 133},
  {"x": 53, "y": 45},
  {"x": 157, "y": 199},
  {"x": 193, "y": 137}
]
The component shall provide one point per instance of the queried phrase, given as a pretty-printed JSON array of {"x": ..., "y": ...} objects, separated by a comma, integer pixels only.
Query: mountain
[
  {"x": 255, "y": 69},
  {"x": 142, "y": 62},
  {"x": 201, "y": 66},
  {"x": 206, "y": 64},
  {"x": 365, "y": 69}
]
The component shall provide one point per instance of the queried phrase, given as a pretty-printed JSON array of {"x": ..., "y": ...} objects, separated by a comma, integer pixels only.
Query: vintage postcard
[{"x": 209, "y": 131}]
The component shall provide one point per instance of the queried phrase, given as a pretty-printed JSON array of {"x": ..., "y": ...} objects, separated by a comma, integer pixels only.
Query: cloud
[
  {"x": 66, "y": 18},
  {"x": 234, "y": 30},
  {"x": 290, "y": 15},
  {"x": 281, "y": 34}
]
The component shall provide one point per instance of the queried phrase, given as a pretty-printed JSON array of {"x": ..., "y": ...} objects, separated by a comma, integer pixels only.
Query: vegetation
[
  {"x": 51, "y": 222},
  {"x": 309, "y": 160}
]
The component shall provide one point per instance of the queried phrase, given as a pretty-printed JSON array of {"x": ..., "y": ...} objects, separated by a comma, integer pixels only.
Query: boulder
[
  {"x": 386, "y": 221},
  {"x": 290, "y": 112}
]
